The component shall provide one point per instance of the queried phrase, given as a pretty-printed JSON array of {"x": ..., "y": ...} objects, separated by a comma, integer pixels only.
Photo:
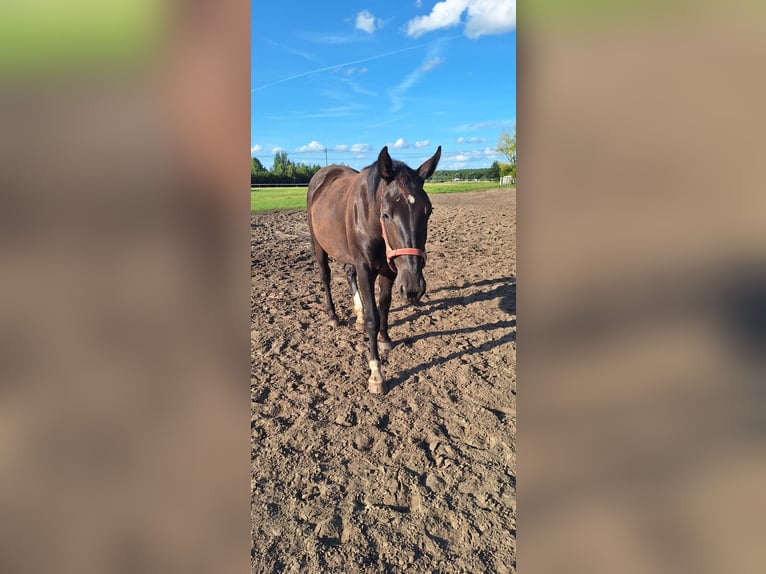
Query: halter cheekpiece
[{"x": 391, "y": 254}]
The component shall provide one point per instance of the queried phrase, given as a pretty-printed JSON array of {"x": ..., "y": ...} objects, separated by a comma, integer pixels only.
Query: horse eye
[{"x": 385, "y": 215}]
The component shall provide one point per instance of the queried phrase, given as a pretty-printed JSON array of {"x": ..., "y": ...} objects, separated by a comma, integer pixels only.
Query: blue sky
[{"x": 352, "y": 77}]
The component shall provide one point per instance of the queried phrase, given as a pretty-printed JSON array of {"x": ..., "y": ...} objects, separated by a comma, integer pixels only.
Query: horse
[{"x": 375, "y": 222}]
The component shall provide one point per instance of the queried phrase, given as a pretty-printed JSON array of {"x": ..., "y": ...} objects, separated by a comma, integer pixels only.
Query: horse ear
[
  {"x": 385, "y": 165},
  {"x": 429, "y": 166}
]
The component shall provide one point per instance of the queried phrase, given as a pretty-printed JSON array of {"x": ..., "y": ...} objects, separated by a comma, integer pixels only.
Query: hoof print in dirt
[
  {"x": 329, "y": 531},
  {"x": 362, "y": 441},
  {"x": 346, "y": 419}
]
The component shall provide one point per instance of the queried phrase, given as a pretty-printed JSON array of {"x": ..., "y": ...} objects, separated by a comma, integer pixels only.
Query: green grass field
[
  {"x": 266, "y": 199},
  {"x": 459, "y": 186}
]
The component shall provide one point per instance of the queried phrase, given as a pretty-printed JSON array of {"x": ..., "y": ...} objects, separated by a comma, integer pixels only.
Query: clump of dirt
[{"x": 421, "y": 479}]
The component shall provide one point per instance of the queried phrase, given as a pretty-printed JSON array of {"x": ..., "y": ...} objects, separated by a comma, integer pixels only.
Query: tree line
[
  {"x": 286, "y": 171},
  {"x": 491, "y": 173},
  {"x": 283, "y": 171}
]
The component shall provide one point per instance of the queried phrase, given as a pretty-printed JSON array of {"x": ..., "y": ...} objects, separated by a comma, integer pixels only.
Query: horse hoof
[
  {"x": 376, "y": 384},
  {"x": 333, "y": 323},
  {"x": 385, "y": 345},
  {"x": 359, "y": 326},
  {"x": 376, "y": 388}
]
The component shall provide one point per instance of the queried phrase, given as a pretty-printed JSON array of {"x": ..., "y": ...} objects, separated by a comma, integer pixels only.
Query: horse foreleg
[
  {"x": 386, "y": 284},
  {"x": 366, "y": 281},
  {"x": 358, "y": 309}
]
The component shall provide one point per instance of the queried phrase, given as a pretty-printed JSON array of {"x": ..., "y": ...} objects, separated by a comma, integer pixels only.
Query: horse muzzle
[{"x": 412, "y": 287}]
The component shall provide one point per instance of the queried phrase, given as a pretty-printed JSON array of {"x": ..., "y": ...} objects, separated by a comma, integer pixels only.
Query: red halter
[{"x": 392, "y": 253}]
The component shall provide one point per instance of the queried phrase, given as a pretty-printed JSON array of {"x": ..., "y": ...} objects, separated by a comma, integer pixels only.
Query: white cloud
[
  {"x": 443, "y": 15},
  {"x": 480, "y": 125},
  {"x": 352, "y": 71},
  {"x": 313, "y": 146},
  {"x": 398, "y": 92},
  {"x": 366, "y": 22},
  {"x": 358, "y": 148},
  {"x": 490, "y": 17},
  {"x": 257, "y": 148},
  {"x": 469, "y": 155},
  {"x": 277, "y": 149},
  {"x": 474, "y": 158},
  {"x": 432, "y": 63},
  {"x": 418, "y": 3},
  {"x": 484, "y": 17},
  {"x": 401, "y": 143}
]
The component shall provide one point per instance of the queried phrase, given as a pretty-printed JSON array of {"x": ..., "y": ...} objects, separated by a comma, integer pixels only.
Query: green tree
[
  {"x": 280, "y": 165},
  {"x": 256, "y": 167},
  {"x": 494, "y": 171},
  {"x": 508, "y": 169},
  {"x": 506, "y": 144}
]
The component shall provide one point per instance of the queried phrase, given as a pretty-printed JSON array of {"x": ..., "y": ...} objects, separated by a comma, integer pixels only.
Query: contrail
[{"x": 325, "y": 69}]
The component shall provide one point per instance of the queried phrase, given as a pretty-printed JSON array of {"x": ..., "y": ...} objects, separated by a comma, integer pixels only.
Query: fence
[
  {"x": 259, "y": 185},
  {"x": 507, "y": 180}
]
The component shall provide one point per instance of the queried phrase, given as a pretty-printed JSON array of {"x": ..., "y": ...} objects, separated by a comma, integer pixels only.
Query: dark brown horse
[{"x": 375, "y": 222}]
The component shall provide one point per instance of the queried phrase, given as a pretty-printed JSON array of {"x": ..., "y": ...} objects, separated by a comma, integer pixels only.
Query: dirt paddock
[{"x": 422, "y": 479}]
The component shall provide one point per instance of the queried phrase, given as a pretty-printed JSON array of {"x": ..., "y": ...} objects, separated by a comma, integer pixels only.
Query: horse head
[{"x": 404, "y": 213}]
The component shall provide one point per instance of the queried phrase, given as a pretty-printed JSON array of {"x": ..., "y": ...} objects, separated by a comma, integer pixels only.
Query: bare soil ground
[{"x": 422, "y": 479}]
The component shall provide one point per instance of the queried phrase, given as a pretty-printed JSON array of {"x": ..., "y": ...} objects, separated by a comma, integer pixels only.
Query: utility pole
[{"x": 325, "y": 156}]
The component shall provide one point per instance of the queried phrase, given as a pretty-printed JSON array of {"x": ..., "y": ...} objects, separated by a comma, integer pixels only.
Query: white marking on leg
[
  {"x": 358, "y": 309},
  {"x": 375, "y": 382}
]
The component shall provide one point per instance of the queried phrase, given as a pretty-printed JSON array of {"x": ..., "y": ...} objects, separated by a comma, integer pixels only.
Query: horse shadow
[{"x": 503, "y": 288}]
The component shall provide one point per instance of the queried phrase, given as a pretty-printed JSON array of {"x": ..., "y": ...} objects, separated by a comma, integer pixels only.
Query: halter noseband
[{"x": 393, "y": 253}]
